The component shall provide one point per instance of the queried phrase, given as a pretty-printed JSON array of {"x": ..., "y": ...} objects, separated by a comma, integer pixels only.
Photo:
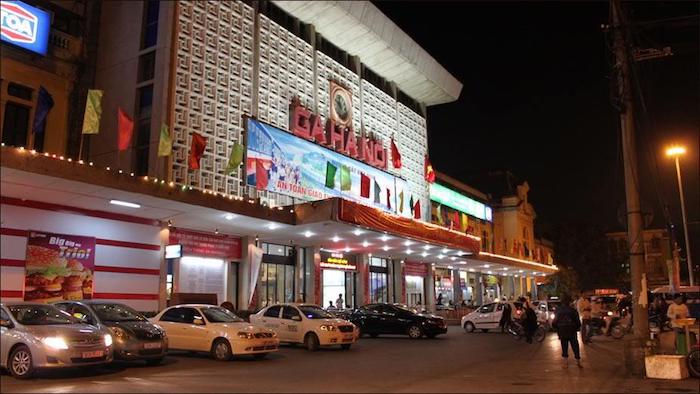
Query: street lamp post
[{"x": 676, "y": 152}]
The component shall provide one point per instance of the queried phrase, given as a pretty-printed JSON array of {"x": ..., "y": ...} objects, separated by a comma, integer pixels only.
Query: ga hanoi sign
[{"x": 24, "y": 26}]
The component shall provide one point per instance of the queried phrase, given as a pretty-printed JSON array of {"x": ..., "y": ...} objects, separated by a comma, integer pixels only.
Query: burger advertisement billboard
[{"x": 58, "y": 267}]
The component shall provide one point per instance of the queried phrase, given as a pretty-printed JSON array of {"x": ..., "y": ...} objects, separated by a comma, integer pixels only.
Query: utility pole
[{"x": 621, "y": 33}]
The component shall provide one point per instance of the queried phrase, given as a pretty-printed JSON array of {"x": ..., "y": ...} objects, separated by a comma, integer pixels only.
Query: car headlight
[
  {"x": 245, "y": 335},
  {"x": 119, "y": 333},
  {"x": 610, "y": 313},
  {"x": 108, "y": 340},
  {"x": 55, "y": 343},
  {"x": 327, "y": 327}
]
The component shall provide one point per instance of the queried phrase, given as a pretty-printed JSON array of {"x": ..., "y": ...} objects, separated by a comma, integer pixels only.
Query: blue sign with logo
[{"x": 25, "y": 26}]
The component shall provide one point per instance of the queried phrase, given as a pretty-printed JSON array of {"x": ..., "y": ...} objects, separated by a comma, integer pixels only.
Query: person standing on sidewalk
[
  {"x": 567, "y": 323},
  {"x": 584, "y": 310},
  {"x": 678, "y": 310}
]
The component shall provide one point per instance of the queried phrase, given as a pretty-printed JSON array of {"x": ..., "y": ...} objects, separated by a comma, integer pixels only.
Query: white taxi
[
  {"x": 213, "y": 329},
  {"x": 307, "y": 324}
]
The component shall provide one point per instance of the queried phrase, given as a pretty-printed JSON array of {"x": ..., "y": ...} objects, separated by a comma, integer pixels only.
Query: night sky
[{"x": 536, "y": 102}]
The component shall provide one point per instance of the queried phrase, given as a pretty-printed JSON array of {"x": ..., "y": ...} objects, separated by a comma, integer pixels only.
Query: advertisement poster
[
  {"x": 280, "y": 162},
  {"x": 58, "y": 267},
  {"x": 206, "y": 245}
]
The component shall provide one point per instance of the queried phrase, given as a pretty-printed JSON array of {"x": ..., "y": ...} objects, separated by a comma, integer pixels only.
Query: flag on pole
[
  {"x": 401, "y": 202},
  {"x": 364, "y": 185},
  {"x": 93, "y": 112},
  {"x": 165, "y": 144},
  {"x": 235, "y": 159},
  {"x": 410, "y": 204},
  {"x": 126, "y": 129},
  {"x": 465, "y": 222},
  {"x": 261, "y": 176},
  {"x": 438, "y": 214},
  {"x": 377, "y": 192},
  {"x": 388, "y": 198},
  {"x": 395, "y": 155},
  {"x": 199, "y": 143},
  {"x": 416, "y": 210},
  {"x": 345, "y": 180},
  {"x": 330, "y": 175},
  {"x": 429, "y": 172},
  {"x": 44, "y": 103}
]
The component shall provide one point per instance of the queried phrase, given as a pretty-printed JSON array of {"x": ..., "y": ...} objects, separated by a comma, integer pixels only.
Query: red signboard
[
  {"x": 206, "y": 245},
  {"x": 415, "y": 269},
  {"x": 58, "y": 267}
]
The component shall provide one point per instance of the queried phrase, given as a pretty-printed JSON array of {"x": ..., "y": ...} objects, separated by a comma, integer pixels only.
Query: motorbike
[
  {"x": 618, "y": 327},
  {"x": 658, "y": 320}
]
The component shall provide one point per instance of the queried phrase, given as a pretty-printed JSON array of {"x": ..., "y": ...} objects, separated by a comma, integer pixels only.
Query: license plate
[
  {"x": 152, "y": 345},
  {"x": 96, "y": 353},
  {"x": 270, "y": 343},
  {"x": 346, "y": 337}
]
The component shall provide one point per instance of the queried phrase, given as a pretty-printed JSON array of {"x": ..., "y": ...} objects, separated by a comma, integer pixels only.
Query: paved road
[{"x": 457, "y": 362}]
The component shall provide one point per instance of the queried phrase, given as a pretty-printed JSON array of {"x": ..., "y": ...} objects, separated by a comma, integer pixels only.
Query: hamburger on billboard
[{"x": 58, "y": 267}]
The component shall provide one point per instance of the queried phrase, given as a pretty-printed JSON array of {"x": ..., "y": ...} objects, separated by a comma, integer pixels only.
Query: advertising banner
[
  {"x": 58, "y": 267},
  {"x": 256, "y": 255},
  {"x": 415, "y": 269},
  {"x": 24, "y": 26},
  {"x": 206, "y": 245},
  {"x": 280, "y": 162}
]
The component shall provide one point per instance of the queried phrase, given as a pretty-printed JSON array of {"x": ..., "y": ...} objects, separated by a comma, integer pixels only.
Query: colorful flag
[
  {"x": 44, "y": 103},
  {"x": 93, "y": 112},
  {"x": 438, "y": 213},
  {"x": 410, "y": 203},
  {"x": 456, "y": 220},
  {"x": 126, "y": 129},
  {"x": 429, "y": 172},
  {"x": 395, "y": 155},
  {"x": 364, "y": 185},
  {"x": 235, "y": 159},
  {"x": 199, "y": 143},
  {"x": 465, "y": 222},
  {"x": 165, "y": 144},
  {"x": 388, "y": 198},
  {"x": 401, "y": 202},
  {"x": 345, "y": 180},
  {"x": 416, "y": 210},
  {"x": 377, "y": 192},
  {"x": 330, "y": 175},
  {"x": 261, "y": 176}
]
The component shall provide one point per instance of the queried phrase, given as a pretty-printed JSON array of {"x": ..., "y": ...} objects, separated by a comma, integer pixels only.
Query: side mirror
[
  {"x": 6, "y": 323},
  {"x": 198, "y": 321},
  {"x": 296, "y": 318}
]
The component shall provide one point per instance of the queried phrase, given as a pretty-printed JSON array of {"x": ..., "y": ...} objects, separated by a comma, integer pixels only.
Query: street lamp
[{"x": 676, "y": 152}]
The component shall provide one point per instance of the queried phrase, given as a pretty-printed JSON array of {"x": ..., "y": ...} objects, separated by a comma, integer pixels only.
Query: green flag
[
  {"x": 345, "y": 181},
  {"x": 93, "y": 112},
  {"x": 330, "y": 175},
  {"x": 235, "y": 159},
  {"x": 165, "y": 145}
]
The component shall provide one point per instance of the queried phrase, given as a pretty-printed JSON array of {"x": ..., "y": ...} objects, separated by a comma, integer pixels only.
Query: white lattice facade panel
[
  {"x": 379, "y": 115},
  {"x": 213, "y": 89},
  {"x": 413, "y": 142},
  {"x": 328, "y": 69}
]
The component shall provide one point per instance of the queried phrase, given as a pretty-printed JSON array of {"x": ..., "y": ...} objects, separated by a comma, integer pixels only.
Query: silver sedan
[{"x": 36, "y": 336}]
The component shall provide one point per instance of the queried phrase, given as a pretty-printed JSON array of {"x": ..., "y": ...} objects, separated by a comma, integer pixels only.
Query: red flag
[
  {"x": 416, "y": 210},
  {"x": 261, "y": 178},
  {"x": 429, "y": 172},
  {"x": 388, "y": 198},
  {"x": 364, "y": 185},
  {"x": 126, "y": 129},
  {"x": 395, "y": 155},
  {"x": 199, "y": 143}
]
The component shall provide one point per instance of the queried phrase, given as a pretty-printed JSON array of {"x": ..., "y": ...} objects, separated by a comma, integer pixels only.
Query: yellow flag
[
  {"x": 465, "y": 222},
  {"x": 165, "y": 145},
  {"x": 93, "y": 112}
]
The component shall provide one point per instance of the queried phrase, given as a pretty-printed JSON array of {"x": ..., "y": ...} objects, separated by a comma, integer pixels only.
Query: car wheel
[
  {"x": 311, "y": 342},
  {"x": 20, "y": 363},
  {"x": 415, "y": 332},
  {"x": 469, "y": 327},
  {"x": 484, "y": 330},
  {"x": 154, "y": 361},
  {"x": 345, "y": 346},
  {"x": 221, "y": 350},
  {"x": 259, "y": 356}
]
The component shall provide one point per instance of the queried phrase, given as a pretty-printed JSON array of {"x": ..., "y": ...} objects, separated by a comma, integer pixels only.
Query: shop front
[
  {"x": 277, "y": 275},
  {"x": 468, "y": 286},
  {"x": 338, "y": 279},
  {"x": 415, "y": 274},
  {"x": 444, "y": 287}
]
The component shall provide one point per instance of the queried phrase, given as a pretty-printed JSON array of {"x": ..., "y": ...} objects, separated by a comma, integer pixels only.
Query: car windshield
[
  {"x": 116, "y": 313},
  {"x": 217, "y": 314},
  {"x": 40, "y": 315},
  {"x": 314, "y": 312}
]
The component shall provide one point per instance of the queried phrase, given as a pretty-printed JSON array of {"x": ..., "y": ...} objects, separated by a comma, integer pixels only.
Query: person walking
[
  {"x": 529, "y": 320},
  {"x": 567, "y": 323},
  {"x": 584, "y": 310}
]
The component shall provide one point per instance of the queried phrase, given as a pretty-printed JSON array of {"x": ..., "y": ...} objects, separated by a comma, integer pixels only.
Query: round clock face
[{"x": 342, "y": 107}]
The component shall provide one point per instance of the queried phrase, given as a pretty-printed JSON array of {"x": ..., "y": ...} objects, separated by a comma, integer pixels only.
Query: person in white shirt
[
  {"x": 678, "y": 310},
  {"x": 339, "y": 302}
]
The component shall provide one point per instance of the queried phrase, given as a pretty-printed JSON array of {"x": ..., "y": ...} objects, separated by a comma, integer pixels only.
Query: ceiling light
[
  {"x": 486, "y": 266},
  {"x": 445, "y": 250},
  {"x": 489, "y": 272},
  {"x": 384, "y": 238},
  {"x": 365, "y": 244},
  {"x": 407, "y": 243},
  {"x": 335, "y": 238},
  {"x": 424, "y": 254},
  {"x": 125, "y": 203},
  {"x": 505, "y": 268},
  {"x": 347, "y": 249},
  {"x": 463, "y": 262},
  {"x": 521, "y": 271},
  {"x": 453, "y": 258},
  {"x": 385, "y": 248},
  {"x": 427, "y": 247},
  {"x": 409, "y": 251},
  {"x": 441, "y": 256},
  {"x": 308, "y": 234},
  {"x": 517, "y": 276},
  {"x": 357, "y": 231},
  {"x": 471, "y": 269},
  {"x": 229, "y": 216},
  {"x": 272, "y": 226},
  {"x": 450, "y": 267}
]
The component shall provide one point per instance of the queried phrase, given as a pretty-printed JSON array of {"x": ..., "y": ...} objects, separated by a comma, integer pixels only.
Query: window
[
  {"x": 378, "y": 287},
  {"x": 378, "y": 262},
  {"x": 4, "y": 315},
  {"x": 274, "y": 311},
  {"x": 150, "y": 24},
  {"x": 15, "y": 124},
  {"x": 19, "y": 91},
  {"x": 180, "y": 315},
  {"x": 143, "y": 131},
  {"x": 147, "y": 66},
  {"x": 655, "y": 244},
  {"x": 487, "y": 308},
  {"x": 290, "y": 312}
]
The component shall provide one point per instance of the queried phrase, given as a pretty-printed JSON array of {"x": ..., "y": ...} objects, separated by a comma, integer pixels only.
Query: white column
[{"x": 430, "y": 290}]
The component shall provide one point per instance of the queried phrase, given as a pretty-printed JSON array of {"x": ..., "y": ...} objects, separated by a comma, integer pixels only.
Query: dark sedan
[
  {"x": 135, "y": 338},
  {"x": 376, "y": 319}
]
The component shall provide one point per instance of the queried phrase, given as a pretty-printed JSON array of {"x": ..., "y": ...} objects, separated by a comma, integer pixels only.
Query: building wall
[
  {"x": 657, "y": 251},
  {"x": 121, "y": 247}
]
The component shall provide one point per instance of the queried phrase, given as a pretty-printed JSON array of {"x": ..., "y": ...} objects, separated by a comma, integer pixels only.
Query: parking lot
[{"x": 456, "y": 362}]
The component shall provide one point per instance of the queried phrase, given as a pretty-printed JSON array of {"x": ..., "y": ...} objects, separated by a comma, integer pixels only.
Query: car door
[
  {"x": 6, "y": 338},
  {"x": 483, "y": 315},
  {"x": 290, "y": 325},
  {"x": 391, "y": 320},
  {"x": 271, "y": 318},
  {"x": 403, "y": 320},
  {"x": 176, "y": 321},
  {"x": 495, "y": 317}
]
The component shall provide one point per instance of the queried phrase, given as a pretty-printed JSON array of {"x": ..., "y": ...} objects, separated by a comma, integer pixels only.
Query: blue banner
[{"x": 24, "y": 26}]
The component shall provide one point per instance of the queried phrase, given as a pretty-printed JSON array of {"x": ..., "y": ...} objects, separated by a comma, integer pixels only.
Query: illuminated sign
[
  {"x": 24, "y": 26},
  {"x": 460, "y": 202},
  {"x": 337, "y": 261},
  {"x": 606, "y": 291},
  {"x": 173, "y": 251}
]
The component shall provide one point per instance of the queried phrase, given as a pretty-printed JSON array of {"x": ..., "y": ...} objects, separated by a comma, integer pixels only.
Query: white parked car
[
  {"x": 487, "y": 316},
  {"x": 213, "y": 329},
  {"x": 307, "y": 324}
]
